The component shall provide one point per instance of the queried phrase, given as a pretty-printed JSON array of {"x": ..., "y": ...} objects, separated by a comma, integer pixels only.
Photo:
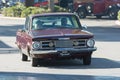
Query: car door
[{"x": 99, "y": 7}]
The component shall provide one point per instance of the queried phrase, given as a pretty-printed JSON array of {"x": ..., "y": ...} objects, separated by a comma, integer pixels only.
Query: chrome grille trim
[
  {"x": 82, "y": 43},
  {"x": 63, "y": 44},
  {"x": 45, "y": 45},
  {"x": 69, "y": 43}
]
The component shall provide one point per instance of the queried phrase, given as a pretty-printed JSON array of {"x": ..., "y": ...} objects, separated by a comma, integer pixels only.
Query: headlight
[
  {"x": 90, "y": 43},
  {"x": 88, "y": 7},
  {"x": 36, "y": 45},
  {"x": 118, "y": 5},
  {"x": 110, "y": 6},
  {"x": 79, "y": 5}
]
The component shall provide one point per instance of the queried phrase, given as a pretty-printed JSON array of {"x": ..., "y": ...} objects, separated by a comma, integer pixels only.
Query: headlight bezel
[
  {"x": 36, "y": 45},
  {"x": 118, "y": 5},
  {"x": 90, "y": 43},
  {"x": 43, "y": 45}
]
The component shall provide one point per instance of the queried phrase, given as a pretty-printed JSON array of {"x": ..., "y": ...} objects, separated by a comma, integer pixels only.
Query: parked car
[
  {"x": 40, "y": 3},
  {"x": 55, "y": 36},
  {"x": 97, "y": 8}
]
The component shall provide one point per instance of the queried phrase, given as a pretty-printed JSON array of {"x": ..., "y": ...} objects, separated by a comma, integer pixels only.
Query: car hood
[{"x": 54, "y": 33}]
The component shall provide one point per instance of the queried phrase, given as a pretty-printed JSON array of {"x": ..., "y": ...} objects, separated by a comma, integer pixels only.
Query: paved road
[{"x": 105, "y": 63}]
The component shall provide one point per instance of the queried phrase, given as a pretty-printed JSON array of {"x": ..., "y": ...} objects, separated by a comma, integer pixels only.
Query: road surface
[{"x": 105, "y": 62}]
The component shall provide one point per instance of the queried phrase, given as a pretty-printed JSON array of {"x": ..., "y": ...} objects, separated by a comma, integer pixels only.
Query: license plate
[{"x": 64, "y": 53}]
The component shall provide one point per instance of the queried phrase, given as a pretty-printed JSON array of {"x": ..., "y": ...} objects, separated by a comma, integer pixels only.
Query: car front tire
[
  {"x": 35, "y": 62},
  {"x": 87, "y": 60},
  {"x": 112, "y": 14}
]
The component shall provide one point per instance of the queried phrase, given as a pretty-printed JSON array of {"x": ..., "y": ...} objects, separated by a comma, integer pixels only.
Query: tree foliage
[
  {"x": 118, "y": 15},
  {"x": 19, "y": 10}
]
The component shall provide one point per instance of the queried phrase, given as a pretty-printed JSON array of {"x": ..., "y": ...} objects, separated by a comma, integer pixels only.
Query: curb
[
  {"x": 9, "y": 50},
  {"x": 4, "y": 17},
  {"x": 117, "y": 22}
]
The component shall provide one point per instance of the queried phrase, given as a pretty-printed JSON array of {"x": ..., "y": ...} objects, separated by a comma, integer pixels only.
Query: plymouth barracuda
[{"x": 54, "y": 36}]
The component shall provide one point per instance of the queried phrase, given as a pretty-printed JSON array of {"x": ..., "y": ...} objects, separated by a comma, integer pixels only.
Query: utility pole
[{"x": 51, "y": 5}]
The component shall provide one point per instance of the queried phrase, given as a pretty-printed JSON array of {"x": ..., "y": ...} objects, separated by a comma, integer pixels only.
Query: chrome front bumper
[{"x": 63, "y": 50}]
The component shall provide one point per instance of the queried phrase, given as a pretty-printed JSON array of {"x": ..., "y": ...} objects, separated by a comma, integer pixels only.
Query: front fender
[
  {"x": 80, "y": 7},
  {"x": 115, "y": 7}
]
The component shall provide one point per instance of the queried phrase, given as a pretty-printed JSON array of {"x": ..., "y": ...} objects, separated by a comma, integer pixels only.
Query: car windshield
[{"x": 50, "y": 22}]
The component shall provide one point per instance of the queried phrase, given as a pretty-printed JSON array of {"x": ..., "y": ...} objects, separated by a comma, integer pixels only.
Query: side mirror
[
  {"x": 21, "y": 30},
  {"x": 84, "y": 27}
]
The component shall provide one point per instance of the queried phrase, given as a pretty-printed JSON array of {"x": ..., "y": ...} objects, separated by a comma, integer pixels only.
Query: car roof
[{"x": 51, "y": 14}]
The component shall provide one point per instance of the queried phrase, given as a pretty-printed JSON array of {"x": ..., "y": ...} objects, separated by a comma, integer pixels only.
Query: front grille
[
  {"x": 46, "y": 45},
  {"x": 70, "y": 43},
  {"x": 81, "y": 43},
  {"x": 63, "y": 43}
]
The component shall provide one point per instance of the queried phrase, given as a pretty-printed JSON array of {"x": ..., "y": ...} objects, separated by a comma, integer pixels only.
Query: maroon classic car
[{"x": 54, "y": 36}]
